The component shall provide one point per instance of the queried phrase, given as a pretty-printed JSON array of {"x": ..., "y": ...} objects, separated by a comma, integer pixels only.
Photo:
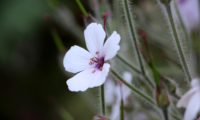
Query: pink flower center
[{"x": 97, "y": 61}]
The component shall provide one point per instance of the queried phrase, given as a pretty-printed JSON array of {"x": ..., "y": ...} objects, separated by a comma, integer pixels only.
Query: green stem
[
  {"x": 175, "y": 116},
  {"x": 58, "y": 41},
  {"x": 133, "y": 32},
  {"x": 165, "y": 113},
  {"x": 122, "y": 110},
  {"x": 121, "y": 104},
  {"x": 136, "y": 70},
  {"x": 178, "y": 44},
  {"x": 134, "y": 89},
  {"x": 80, "y": 5},
  {"x": 103, "y": 108}
]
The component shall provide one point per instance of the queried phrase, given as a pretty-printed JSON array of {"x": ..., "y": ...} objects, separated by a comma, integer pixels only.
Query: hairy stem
[
  {"x": 136, "y": 70},
  {"x": 165, "y": 113},
  {"x": 133, "y": 32},
  {"x": 134, "y": 89},
  {"x": 177, "y": 43}
]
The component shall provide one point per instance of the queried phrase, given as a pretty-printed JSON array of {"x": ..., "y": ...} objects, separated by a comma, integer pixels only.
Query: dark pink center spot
[{"x": 98, "y": 62}]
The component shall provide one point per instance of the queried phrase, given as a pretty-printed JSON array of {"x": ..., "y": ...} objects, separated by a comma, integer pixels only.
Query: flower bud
[{"x": 162, "y": 97}]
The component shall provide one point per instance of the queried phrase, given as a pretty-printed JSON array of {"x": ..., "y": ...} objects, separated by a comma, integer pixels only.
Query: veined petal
[
  {"x": 111, "y": 46},
  {"x": 76, "y": 59},
  {"x": 88, "y": 79},
  {"x": 185, "y": 99},
  {"x": 193, "y": 107},
  {"x": 94, "y": 37}
]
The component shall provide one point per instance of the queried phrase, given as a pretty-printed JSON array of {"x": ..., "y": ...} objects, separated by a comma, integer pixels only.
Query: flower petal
[
  {"x": 127, "y": 76},
  {"x": 100, "y": 76},
  {"x": 88, "y": 79},
  {"x": 183, "y": 102},
  {"x": 94, "y": 37},
  {"x": 111, "y": 46},
  {"x": 193, "y": 107},
  {"x": 115, "y": 111},
  {"x": 189, "y": 11},
  {"x": 109, "y": 92},
  {"x": 76, "y": 59},
  {"x": 195, "y": 83}
]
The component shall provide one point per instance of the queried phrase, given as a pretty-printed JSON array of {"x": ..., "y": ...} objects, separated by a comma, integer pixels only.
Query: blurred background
[
  {"x": 34, "y": 36},
  {"x": 32, "y": 78}
]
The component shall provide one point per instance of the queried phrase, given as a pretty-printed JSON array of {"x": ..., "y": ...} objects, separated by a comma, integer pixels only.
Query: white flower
[
  {"x": 91, "y": 66},
  {"x": 191, "y": 101},
  {"x": 115, "y": 92},
  {"x": 189, "y": 11}
]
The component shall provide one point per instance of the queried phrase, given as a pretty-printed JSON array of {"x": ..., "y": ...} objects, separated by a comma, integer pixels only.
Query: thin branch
[
  {"x": 133, "y": 32},
  {"x": 134, "y": 89},
  {"x": 178, "y": 44}
]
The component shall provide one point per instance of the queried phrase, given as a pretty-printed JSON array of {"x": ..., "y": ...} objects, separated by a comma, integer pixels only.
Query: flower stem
[
  {"x": 121, "y": 104},
  {"x": 122, "y": 110},
  {"x": 134, "y": 89},
  {"x": 165, "y": 113},
  {"x": 103, "y": 108},
  {"x": 131, "y": 26},
  {"x": 80, "y": 5},
  {"x": 174, "y": 116},
  {"x": 136, "y": 70},
  {"x": 178, "y": 44},
  {"x": 58, "y": 41}
]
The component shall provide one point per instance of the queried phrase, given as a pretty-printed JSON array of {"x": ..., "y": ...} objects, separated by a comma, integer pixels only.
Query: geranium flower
[
  {"x": 115, "y": 93},
  {"x": 91, "y": 65},
  {"x": 189, "y": 11},
  {"x": 191, "y": 101}
]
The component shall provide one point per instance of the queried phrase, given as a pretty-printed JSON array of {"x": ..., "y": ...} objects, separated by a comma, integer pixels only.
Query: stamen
[{"x": 97, "y": 61}]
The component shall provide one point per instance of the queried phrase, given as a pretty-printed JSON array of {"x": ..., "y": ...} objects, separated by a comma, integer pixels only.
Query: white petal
[
  {"x": 115, "y": 112},
  {"x": 118, "y": 93},
  {"x": 94, "y": 37},
  {"x": 189, "y": 11},
  {"x": 100, "y": 76},
  {"x": 126, "y": 91},
  {"x": 88, "y": 79},
  {"x": 109, "y": 92},
  {"x": 195, "y": 83},
  {"x": 193, "y": 107},
  {"x": 76, "y": 59},
  {"x": 127, "y": 76},
  {"x": 183, "y": 102},
  {"x": 111, "y": 46}
]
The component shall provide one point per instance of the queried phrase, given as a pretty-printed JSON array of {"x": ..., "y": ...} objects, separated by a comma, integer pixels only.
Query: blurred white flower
[
  {"x": 114, "y": 92},
  {"x": 91, "y": 66},
  {"x": 140, "y": 116},
  {"x": 189, "y": 11},
  {"x": 191, "y": 101}
]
